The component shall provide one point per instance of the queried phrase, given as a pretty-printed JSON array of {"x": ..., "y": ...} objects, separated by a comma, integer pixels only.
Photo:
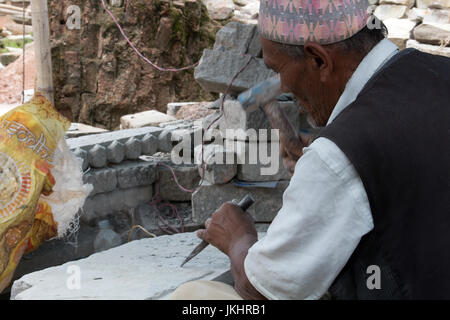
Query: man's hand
[
  {"x": 233, "y": 232},
  {"x": 227, "y": 226},
  {"x": 292, "y": 151}
]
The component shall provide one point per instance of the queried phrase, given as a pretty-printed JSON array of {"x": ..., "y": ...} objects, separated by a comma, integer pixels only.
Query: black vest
[{"x": 397, "y": 136}]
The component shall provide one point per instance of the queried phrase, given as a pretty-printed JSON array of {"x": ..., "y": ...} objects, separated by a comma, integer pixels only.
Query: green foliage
[{"x": 16, "y": 43}]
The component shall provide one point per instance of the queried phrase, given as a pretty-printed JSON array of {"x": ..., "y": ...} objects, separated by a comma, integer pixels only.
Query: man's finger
[
  {"x": 207, "y": 223},
  {"x": 200, "y": 233}
]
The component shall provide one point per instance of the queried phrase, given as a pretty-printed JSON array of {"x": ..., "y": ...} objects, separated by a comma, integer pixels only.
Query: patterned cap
[{"x": 323, "y": 21}]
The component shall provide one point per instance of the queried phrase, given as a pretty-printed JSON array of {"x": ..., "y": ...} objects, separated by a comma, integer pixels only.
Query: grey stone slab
[
  {"x": 218, "y": 68},
  {"x": 186, "y": 175},
  {"x": 235, "y": 37},
  {"x": 101, "y": 205},
  {"x": 209, "y": 198},
  {"x": 135, "y": 174},
  {"x": 432, "y": 34},
  {"x": 103, "y": 180},
  {"x": 80, "y": 129},
  {"x": 104, "y": 139},
  {"x": 141, "y": 269}
]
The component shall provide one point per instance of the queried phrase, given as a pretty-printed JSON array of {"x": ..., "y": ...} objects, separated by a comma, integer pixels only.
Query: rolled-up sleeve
[{"x": 325, "y": 213}]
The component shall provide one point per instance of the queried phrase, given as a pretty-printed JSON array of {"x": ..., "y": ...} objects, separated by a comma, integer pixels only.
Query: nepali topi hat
[{"x": 324, "y": 21}]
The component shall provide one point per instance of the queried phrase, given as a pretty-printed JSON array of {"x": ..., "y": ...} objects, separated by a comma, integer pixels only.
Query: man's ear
[{"x": 319, "y": 60}]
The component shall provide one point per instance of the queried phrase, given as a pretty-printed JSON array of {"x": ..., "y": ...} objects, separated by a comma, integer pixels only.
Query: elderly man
[{"x": 367, "y": 211}]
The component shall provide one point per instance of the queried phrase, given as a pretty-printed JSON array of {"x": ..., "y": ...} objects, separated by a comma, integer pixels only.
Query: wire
[{"x": 137, "y": 51}]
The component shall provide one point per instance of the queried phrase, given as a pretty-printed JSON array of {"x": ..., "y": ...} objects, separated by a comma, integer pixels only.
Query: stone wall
[
  {"x": 98, "y": 77},
  {"x": 419, "y": 24}
]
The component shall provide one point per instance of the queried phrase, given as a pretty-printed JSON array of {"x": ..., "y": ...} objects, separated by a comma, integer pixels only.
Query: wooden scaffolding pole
[{"x": 43, "y": 57}]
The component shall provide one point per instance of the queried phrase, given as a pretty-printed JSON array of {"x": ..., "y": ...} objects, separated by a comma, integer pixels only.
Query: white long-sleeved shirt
[{"x": 325, "y": 211}]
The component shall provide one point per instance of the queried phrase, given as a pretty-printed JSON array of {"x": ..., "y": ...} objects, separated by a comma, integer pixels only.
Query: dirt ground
[{"x": 11, "y": 77}]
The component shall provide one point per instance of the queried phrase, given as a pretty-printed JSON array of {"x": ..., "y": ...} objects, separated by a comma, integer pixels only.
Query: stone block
[
  {"x": 102, "y": 180},
  {"x": 217, "y": 69},
  {"x": 133, "y": 148},
  {"x": 104, "y": 139},
  {"x": 151, "y": 118},
  {"x": 101, "y": 205},
  {"x": 172, "y": 108},
  {"x": 434, "y": 4},
  {"x": 428, "y": 48},
  {"x": 433, "y": 34},
  {"x": 435, "y": 16},
  {"x": 209, "y": 198},
  {"x": 80, "y": 129},
  {"x": 149, "y": 144},
  {"x": 386, "y": 11},
  {"x": 8, "y": 58},
  {"x": 255, "y": 48},
  {"x": 135, "y": 174},
  {"x": 408, "y": 3},
  {"x": 217, "y": 170},
  {"x": 219, "y": 9},
  {"x": 186, "y": 175},
  {"x": 116, "y": 152},
  {"x": 165, "y": 141},
  {"x": 399, "y": 30},
  {"x": 235, "y": 37},
  {"x": 133, "y": 197},
  {"x": 98, "y": 156},
  {"x": 266, "y": 169},
  {"x": 142, "y": 269},
  {"x": 83, "y": 155},
  {"x": 235, "y": 117}
]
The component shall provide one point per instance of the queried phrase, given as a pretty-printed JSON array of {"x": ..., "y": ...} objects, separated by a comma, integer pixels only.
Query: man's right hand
[{"x": 292, "y": 151}]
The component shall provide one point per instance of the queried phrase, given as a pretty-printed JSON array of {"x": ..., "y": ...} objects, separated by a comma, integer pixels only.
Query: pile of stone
[
  {"x": 238, "y": 10},
  {"x": 225, "y": 180},
  {"x": 419, "y": 24}
]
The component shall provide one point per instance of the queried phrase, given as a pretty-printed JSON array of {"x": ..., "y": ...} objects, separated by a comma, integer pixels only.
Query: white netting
[{"x": 69, "y": 192}]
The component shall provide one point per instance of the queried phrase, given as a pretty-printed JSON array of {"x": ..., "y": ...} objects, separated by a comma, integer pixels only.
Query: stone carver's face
[{"x": 301, "y": 78}]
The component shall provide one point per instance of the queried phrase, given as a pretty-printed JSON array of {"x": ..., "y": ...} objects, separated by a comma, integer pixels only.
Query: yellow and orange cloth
[{"x": 29, "y": 136}]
